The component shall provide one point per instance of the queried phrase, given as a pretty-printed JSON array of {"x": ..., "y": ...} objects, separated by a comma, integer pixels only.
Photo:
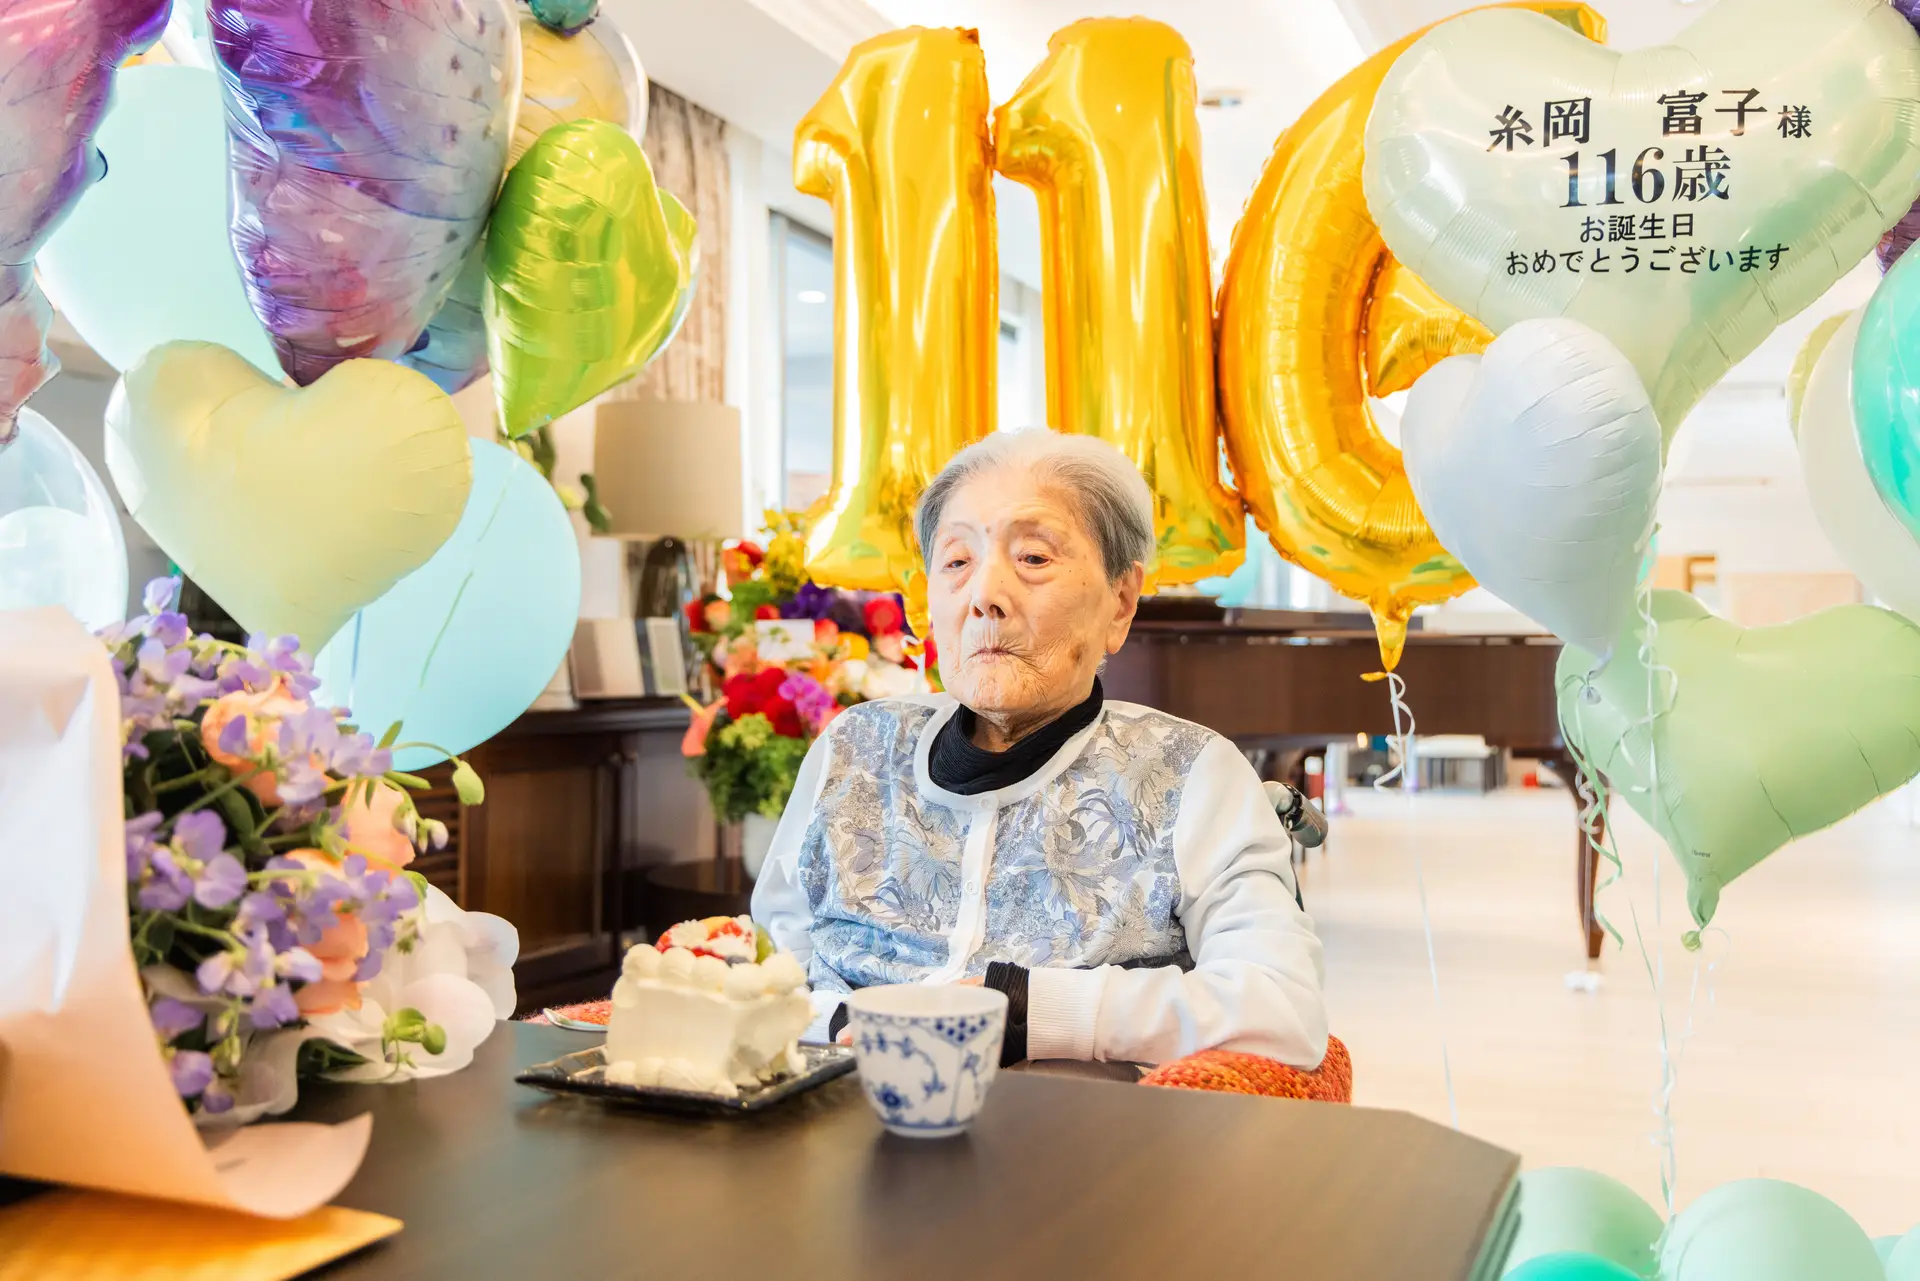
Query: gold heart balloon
[
  {"x": 292, "y": 507},
  {"x": 1681, "y": 200},
  {"x": 588, "y": 272},
  {"x": 592, "y": 74}
]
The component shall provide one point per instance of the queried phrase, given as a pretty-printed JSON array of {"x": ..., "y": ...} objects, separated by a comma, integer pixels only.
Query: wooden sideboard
[{"x": 579, "y": 806}]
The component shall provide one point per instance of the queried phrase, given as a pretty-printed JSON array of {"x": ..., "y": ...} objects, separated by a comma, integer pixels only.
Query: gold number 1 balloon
[
  {"x": 1314, "y": 317},
  {"x": 1106, "y": 132},
  {"x": 899, "y": 146}
]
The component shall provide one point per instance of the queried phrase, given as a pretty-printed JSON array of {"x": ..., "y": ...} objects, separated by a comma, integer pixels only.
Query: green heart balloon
[
  {"x": 1759, "y": 735},
  {"x": 590, "y": 267},
  {"x": 1682, "y": 200}
]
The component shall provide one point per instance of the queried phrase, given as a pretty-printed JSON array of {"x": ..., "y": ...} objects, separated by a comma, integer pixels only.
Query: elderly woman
[{"x": 1118, "y": 872}]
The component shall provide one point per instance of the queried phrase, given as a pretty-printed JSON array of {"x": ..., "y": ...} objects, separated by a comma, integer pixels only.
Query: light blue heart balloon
[
  {"x": 1886, "y": 390},
  {"x": 464, "y": 644},
  {"x": 144, "y": 257}
]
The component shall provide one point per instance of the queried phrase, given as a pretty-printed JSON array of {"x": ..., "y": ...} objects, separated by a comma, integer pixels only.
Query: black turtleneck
[{"x": 957, "y": 766}]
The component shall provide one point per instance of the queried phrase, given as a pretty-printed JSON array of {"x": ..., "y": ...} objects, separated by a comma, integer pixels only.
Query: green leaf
[
  {"x": 392, "y": 735},
  {"x": 466, "y": 782},
  {"x": 234, "y": 807},
  {"x": 320, "y": 1057},
  {"x": 412, "y": 782},
  {"x": 598, "y": 517}
]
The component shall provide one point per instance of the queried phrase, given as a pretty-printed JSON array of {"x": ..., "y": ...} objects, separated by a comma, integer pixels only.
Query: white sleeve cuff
[{"x": 1063, "y": 1009}]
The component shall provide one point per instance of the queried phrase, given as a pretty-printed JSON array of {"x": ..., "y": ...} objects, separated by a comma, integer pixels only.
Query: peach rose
[
  {"x": 742, "y": 659},
  {"x": 370, "y": 829},
  {"x": 340, "y": 950},
  {"x": 264, "y": 711}
]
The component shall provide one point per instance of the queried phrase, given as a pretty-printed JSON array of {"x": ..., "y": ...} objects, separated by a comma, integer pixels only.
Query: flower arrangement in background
[
  {"x": 278, "y": 929},
  {"x": 788, "y": 656}
]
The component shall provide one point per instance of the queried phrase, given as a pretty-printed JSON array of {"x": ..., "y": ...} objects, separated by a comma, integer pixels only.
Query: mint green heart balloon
[
  {"x": 1886, "y": 390},
  {"x": 1761, "y": 735},
  {"x": 1766, "y": 1230},
  {"x": 1566, "y": 1211}
]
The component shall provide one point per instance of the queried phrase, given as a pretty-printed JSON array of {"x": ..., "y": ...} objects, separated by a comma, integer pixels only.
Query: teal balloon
[
  {"x": 1571, "y": 1267},
  {"x": 1568, "y": 1211},
  {"x": 1765, "y": 1230},
  {"x": 1886, "y": 390},
  {"x": 464, "y": 644},
  {"x": 144, "y": 258},
  {"x": 1903, "y": 1256}
]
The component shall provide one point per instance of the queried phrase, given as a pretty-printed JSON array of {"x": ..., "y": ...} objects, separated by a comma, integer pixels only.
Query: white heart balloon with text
[
  {"x": 1683, "y": 200},
  {"x": 1538, "y": 465}
]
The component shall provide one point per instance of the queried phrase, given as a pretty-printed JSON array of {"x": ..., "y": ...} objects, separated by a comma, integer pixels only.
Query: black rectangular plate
[{"x": 583, "y": 1073}]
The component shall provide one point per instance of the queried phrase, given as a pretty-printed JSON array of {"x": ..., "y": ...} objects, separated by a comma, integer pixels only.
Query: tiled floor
[{"x": 1804, "y": 1063}]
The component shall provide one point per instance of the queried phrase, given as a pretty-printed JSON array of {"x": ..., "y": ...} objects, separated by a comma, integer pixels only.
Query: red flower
[
  {"x": 751, "y": 551},
  {"x": 746, "y": 694},
  {"x": 785, "y": 717},
  {"x": 825, "y": 631},
  {"x": 933, "y": 654},
  {"x": 697, "y": 615},
  {"x": 766, "y": 612},
  {"x": 741, "y": 560},
  {"x": 884, "y": 617}
]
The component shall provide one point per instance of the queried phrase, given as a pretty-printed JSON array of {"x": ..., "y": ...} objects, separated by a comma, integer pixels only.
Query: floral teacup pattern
[{"x": 927, "y": 1055}]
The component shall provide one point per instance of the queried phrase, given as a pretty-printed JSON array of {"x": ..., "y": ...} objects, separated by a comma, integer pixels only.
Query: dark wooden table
[{"x": 1059, "y": 1179}]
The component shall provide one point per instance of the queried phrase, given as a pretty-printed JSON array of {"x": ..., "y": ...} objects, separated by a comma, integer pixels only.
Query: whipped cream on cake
[{"x": 711, "y": 1007}]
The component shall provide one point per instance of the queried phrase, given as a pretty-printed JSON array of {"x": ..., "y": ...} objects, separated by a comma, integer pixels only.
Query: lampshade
[{"x": 669, "y": 467}]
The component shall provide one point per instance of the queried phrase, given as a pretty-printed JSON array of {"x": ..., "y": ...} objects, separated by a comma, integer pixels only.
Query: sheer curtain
[{"x": 688, "y": 148}]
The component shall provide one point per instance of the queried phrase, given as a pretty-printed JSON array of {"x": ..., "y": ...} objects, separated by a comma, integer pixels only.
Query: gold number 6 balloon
[{"x": 1315, "y": 316}]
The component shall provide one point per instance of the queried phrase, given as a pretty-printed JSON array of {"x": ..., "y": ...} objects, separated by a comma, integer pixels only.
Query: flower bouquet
[
  {"x": 837, "y": 648},
  {"x": 277, "y": 927}
]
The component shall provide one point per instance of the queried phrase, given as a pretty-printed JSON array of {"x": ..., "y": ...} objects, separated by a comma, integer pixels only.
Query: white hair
[{"x": 1103, "y": 485}]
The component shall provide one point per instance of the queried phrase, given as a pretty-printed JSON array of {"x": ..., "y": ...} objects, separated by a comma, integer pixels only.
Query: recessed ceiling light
[{"x": 814, "y": 296}]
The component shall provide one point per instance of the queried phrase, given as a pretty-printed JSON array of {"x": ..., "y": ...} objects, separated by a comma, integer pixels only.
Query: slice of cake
[{"x": 711, "y": 1008}]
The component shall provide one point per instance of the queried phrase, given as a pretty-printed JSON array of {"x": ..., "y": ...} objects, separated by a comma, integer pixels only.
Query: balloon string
[{"x": 1403, "y": 728}]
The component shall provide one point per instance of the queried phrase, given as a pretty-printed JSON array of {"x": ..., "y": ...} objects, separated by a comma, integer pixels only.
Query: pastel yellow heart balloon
[
  {"x": 588, "y": 272},
  {"x": 1682, "y": 200},
  {"x": 292, "y": 507}
]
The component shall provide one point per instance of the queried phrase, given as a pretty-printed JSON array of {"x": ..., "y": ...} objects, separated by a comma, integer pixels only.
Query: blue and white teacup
[{"x": 927, "y": 1055}]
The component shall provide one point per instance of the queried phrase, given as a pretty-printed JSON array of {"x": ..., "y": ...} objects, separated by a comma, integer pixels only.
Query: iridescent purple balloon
[
  {"x": 1910, "y": 10},
  {"x": 1903, "y": 234},
  {"x": 367, "y": 142},
  {"x": 56, "y": 63},
  {"x": 453, "y": 350}
]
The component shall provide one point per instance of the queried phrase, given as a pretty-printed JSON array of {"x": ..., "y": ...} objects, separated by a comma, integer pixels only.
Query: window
[{"x": 803, "y": 279}]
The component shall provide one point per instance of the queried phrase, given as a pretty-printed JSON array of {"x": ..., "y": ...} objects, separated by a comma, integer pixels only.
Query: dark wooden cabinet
[{"x": 579, "y": 806}]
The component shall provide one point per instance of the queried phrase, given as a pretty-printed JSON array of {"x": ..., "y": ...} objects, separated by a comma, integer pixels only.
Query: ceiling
[{"x": 1631, "y": 24}]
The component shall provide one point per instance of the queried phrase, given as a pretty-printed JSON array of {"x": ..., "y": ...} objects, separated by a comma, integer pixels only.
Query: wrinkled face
[{"x": 1021, "y": 607}]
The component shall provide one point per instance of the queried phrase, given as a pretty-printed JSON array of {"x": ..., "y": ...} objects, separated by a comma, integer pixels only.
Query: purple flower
[
  {"x": 301, "y": 783},
  {"x": 160, "y": 594},
  {"x": 811, "y": 601},
  {"x": 192, "y": 1073},
  {"x": 239, "y": 672},
  {"x": 370, "y": 964},
  {"x": 217, "y": 1099},
  {"x": 233, "y": 737},
  {"x": 169, "y": 629},
  {"x": 161, "y": 665},
  {"x": 310, "y": 731},
  {"x": 140, "y": 845},
  {"x": 298, "y": 965},
  {"x": 356, "y": 756},
  {"x": 220, "y": 882},
  {"x": 200, "y": 835},
  {"x": 166, "y": 887},
  {"x": 190, "y": 691},
  {"x": 171, "y": 1018},
  {"x": 215, "y": 973},
  {"x": 809, "y": 697},
  {"x": 273, "y": 1007}
]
